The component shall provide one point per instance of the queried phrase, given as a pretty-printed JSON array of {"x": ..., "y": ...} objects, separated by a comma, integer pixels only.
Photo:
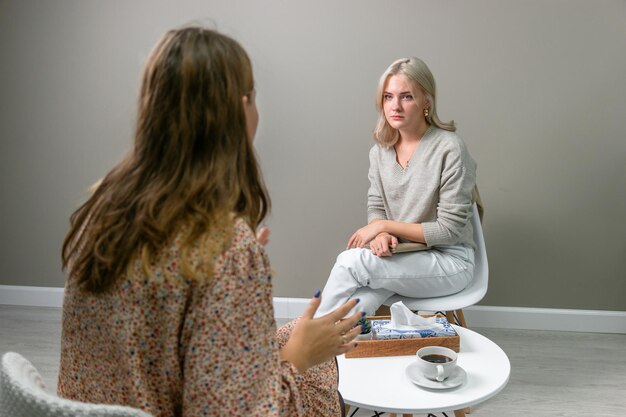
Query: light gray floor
[{"x": 553, "y": 373}]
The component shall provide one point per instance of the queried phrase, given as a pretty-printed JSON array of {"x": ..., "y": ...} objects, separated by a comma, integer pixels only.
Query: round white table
[{"x": 381, "y": 383}]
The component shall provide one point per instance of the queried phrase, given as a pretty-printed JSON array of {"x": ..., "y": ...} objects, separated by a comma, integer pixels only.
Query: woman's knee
[
  {"x": 284, "y": 332},
  {"x": 344, "y": 258},
  {"x": 350, "y": 258}
]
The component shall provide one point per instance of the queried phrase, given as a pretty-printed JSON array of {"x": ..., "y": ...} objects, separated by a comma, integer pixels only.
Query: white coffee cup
[{"x": 436, "y": 362}]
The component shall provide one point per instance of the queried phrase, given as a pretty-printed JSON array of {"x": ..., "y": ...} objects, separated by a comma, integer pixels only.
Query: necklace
[
  {"x": 409, "y": 149},
  {"x": 405, "y": 153}
]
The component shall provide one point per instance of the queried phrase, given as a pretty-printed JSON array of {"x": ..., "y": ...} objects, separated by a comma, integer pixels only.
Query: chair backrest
[
  {"x": 478, "y": 286},
  {"x": 472, "y": 294},
  {"x": 23, "y": 394}
]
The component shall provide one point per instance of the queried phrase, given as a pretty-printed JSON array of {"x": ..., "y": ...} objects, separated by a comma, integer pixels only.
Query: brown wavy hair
[{"x": 192, "y": 168}]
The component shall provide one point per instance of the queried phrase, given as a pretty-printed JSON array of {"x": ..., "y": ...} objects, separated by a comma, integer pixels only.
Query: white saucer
[{"x": 458, "y": 377}]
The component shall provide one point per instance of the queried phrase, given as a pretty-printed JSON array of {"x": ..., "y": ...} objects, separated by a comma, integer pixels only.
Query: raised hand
[
  {"x": 314, "y": 341},
  {"x": 263, "y": 235}
]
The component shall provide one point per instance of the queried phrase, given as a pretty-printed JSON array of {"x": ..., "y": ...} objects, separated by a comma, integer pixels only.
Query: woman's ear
[
  {"x": 427, "y": 102},
  {"x": 252, "y": 114}
]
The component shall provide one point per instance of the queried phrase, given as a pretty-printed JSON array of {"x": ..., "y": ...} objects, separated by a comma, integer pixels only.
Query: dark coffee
[{"x": 437, "y": 358}]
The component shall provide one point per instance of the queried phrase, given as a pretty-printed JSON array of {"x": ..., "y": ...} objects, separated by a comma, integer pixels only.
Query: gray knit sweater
[{"x": 435, "y": 189}]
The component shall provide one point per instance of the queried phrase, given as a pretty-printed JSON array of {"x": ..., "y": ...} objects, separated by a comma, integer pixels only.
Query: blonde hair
[
  {"x": 191, "y": 170},
  {"x": 420, "y": 77}
]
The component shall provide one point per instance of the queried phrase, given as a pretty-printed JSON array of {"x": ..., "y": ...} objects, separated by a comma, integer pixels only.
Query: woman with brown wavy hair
[{"x": 168, "y": 303}]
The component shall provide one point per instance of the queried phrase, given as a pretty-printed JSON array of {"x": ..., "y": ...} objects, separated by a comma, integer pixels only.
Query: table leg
[{"x": 459, "y": 413}]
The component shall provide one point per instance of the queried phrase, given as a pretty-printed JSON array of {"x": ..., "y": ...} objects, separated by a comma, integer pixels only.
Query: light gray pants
[{"x": 357, "y": 273}]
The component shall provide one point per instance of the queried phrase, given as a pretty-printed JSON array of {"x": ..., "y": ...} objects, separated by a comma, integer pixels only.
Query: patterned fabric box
[
  {"x": 404, "y": 345},
  {"x": 379, "y": 332}
]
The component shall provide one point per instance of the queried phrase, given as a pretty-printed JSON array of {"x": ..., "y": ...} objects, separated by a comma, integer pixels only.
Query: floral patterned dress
[{"x": 178, "y": 347}]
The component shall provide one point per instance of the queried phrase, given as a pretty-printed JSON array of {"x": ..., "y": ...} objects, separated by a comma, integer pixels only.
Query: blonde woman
[
  {"x": 168, "y": 303},
  {"x": 421, "y": 181}
]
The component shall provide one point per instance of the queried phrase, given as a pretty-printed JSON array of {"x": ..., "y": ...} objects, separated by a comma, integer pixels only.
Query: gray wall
[{"x": 537, "y": 89}]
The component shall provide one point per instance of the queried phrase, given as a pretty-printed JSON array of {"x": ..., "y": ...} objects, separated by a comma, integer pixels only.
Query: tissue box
[
  {"x": 379, "y": 332},
  {"x": 399, "y": 343}
]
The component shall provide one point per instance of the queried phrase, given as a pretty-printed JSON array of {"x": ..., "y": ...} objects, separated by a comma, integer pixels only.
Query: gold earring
[{"x": 425, "y": 112}]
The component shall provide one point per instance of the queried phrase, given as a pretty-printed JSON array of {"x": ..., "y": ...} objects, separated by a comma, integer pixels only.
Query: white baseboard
[
  {"x": 31, "y": 296},
  {"x": 589, "y": 321}
]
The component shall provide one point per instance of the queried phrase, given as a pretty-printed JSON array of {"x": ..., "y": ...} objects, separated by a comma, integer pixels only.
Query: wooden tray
[{"x": 400, "y": 347}]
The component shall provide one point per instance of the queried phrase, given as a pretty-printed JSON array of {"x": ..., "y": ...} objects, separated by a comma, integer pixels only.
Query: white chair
[
  {"x": 24, "y": 394},
  {"x": 453, "y": 304}
]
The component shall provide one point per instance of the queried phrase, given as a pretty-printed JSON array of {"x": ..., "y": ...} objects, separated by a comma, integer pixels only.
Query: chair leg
[
  {"x": 461, "y": 317},
  {"x": 450, "y": 317},
  {"x": 456, "y": 317},
  {"x": 383, "y": 310}
]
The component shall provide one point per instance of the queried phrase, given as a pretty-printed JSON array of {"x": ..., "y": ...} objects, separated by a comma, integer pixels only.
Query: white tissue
[{"x": 402, "y": 318}]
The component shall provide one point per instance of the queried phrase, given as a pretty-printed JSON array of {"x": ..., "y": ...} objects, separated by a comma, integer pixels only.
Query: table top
[{"x": 381, "y": 383}]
